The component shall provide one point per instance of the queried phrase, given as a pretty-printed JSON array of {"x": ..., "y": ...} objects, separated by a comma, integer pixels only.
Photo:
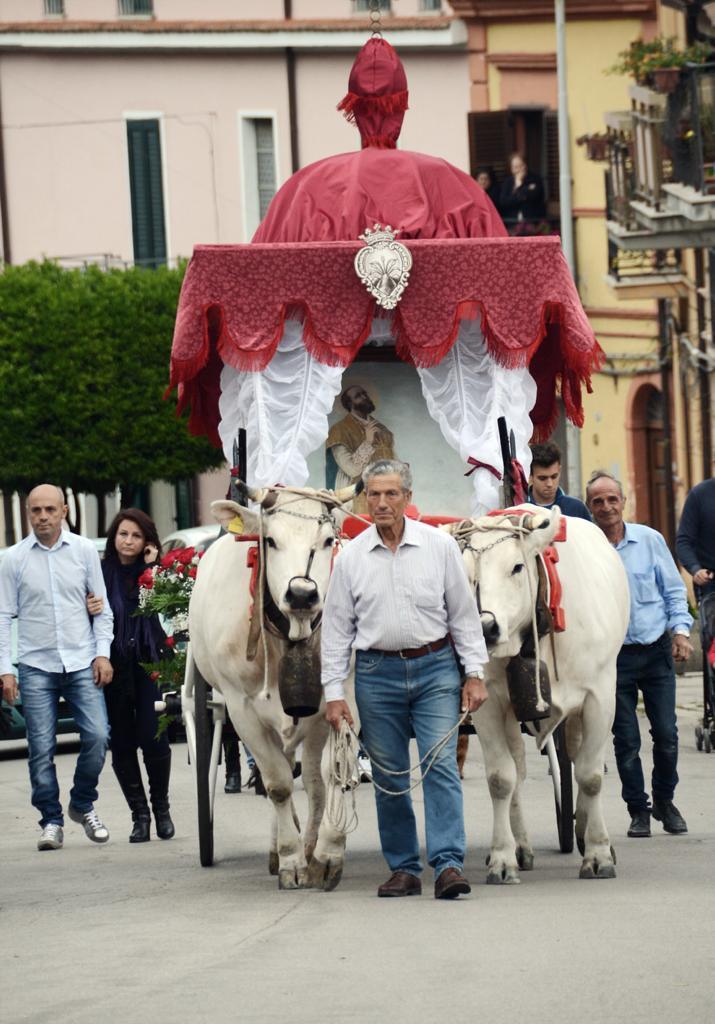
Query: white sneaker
[
  {"x": 52, "y": 838},
  {"x": 93, "y": 827},
  {"x": 365, "y": 768}
]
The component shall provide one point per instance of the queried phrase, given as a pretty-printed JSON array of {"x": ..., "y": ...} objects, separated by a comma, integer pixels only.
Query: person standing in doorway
[{"x": 62, "y": 652}]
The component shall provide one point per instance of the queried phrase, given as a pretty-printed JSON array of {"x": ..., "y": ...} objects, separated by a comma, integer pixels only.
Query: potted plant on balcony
[{"x": 658, "y": 63}]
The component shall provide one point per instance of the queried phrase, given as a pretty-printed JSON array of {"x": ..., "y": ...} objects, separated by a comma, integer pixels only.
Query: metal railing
[
  {"x": 663, "y": 139},
  {"x": 689, "y": 130}
]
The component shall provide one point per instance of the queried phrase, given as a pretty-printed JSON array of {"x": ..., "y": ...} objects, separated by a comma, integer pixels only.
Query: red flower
[
  {"x": 192, "y": 572},
  {"x": 154, "y": 676},
  {"x": 185, "y": 555},
  {"x": 179, "y": 569},
  {"x": 146, "y": 579},
  {"x": 169, "y": 558},
  {"x": 170, "y": 641}
]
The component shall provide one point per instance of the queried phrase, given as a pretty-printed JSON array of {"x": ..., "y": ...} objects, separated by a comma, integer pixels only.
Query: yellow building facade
[{"x": 643, "y": 421}]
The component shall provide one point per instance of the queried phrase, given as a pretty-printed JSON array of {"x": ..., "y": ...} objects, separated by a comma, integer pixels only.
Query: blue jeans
[
  {"x": 41, "y": 692},
  {"x": 396, "y": 699},
  {"x": 648, "y": 667}
]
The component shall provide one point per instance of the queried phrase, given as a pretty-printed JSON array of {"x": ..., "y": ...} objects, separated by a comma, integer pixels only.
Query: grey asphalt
[{"x": 144, "y": 935}]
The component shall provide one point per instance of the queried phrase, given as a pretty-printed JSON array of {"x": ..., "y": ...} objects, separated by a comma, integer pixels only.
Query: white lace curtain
[{"x": 285, "y": 408}]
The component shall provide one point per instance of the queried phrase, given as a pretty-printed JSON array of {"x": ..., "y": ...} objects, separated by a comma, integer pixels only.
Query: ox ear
[
  {"x": 229, "y": 512},
  {"x": 543, "y": 527}
]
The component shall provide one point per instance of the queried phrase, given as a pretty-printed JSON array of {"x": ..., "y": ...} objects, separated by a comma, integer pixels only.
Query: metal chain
[{"x": 375, "y": 12}]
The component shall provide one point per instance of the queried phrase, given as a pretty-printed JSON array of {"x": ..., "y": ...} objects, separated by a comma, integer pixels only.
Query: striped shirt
[{"x": 378, "y": 600}]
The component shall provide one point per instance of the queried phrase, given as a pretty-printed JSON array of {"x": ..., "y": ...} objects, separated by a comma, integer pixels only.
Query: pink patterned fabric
[{"x": 235, "y": 299}]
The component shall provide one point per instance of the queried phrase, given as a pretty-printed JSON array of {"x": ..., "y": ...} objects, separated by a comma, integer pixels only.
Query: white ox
[
  {"x": 501, "y": 562},
  {"x": 299, "y": 534}
]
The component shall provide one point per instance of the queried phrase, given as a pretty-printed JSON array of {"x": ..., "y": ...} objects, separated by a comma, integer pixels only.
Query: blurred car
[{"x": 198, "y": 537}]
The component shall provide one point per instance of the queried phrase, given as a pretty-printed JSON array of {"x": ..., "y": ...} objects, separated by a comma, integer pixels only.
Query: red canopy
[{"x": 235, "y": 299}]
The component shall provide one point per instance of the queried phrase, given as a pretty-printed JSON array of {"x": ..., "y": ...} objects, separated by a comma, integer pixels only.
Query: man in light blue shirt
[
  {"x": 658, "y": 632},
  {"x": 62, "y": 652}
]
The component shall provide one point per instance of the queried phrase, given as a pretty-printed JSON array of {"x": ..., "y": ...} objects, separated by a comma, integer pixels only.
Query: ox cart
[
  {"x": 203, "y": 710},
  {"x": 493, "y": 327}
]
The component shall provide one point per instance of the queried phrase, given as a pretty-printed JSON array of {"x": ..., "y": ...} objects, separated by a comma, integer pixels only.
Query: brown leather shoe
[
  {"x": 400, "y": 883},
  {"x": 451, "y": 883}
]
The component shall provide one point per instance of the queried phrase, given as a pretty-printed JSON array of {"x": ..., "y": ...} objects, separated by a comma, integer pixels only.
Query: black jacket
[{"x": 695, "y": 543}]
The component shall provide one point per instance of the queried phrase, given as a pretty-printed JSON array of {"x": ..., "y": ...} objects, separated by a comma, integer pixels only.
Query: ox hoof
[
  {"x": 292, "y": 878},
  {"x": 325, "y": 876},
  {"x": 273, "y": 863},
  {"x": 525, "y": 858},
  {"x": 593, "y": 869},
  {"x": 503, "y": 876}
]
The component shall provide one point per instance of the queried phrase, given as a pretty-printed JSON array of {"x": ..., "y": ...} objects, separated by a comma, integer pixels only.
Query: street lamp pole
[{"x": 573, "y": 443}]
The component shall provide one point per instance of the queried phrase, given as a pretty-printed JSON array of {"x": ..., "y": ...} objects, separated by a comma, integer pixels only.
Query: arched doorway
[{"x": 649, "y": 458}]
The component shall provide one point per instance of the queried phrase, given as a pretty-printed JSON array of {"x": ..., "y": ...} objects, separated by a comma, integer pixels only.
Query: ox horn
[
  {"x": 257, "y": 494},
  {"x": 537, "y": 522},
  {"x": 346, "y": 493}
]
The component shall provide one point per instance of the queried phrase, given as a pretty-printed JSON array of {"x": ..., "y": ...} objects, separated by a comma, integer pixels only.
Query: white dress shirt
[
  {"x": 46, "y": 588},
  {"x": 378, "y": 600}
]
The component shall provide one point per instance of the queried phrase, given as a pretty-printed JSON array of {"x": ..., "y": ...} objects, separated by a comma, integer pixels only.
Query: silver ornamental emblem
[{"x": 383, "y": 265}]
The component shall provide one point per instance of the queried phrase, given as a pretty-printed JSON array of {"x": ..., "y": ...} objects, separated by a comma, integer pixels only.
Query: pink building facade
[{"x": 134, "y": 129}]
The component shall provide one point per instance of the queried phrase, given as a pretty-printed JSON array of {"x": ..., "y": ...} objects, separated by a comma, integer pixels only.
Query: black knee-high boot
[
  {"x": 233, "y": 765},
  {"x": 158, "y": 770},
  {"x": 126, "y": 769}
]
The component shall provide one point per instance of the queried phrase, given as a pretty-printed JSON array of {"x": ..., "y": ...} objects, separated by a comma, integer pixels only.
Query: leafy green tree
[{"x": 84, "y": 363}]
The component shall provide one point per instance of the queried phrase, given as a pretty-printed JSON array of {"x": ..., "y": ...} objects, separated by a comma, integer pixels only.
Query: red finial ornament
[{"x": 377, "y": 98}]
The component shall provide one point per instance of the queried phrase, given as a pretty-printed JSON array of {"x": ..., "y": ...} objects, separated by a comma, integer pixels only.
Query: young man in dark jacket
[{"x": 544, "y": 482}]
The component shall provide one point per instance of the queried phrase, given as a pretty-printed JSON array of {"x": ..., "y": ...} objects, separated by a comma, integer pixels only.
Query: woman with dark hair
[
  {"x": 486, "y": 178},
  {"x": 132, "y": 546}
]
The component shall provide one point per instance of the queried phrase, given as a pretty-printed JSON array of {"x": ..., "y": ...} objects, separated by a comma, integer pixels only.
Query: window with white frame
[
  {"x": 258, "y": 151},
  {"x": 136, "y": 8},
  {"x": 431, "y": 5},
  {"x": 54, "y": 8},
  {"x": 364, "y": 5}
]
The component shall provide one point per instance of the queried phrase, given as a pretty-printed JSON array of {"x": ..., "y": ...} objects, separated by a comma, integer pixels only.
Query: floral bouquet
[{"x": 165, "y": 589}]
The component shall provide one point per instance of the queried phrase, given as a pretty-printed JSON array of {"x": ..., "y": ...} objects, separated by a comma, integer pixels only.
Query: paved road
[{"x": 144, "y": 935}]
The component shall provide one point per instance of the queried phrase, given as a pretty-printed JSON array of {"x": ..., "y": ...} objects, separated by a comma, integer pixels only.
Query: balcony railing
[
  {"x": 660, "y": 179},
  {"x": 689, "y": 129}
]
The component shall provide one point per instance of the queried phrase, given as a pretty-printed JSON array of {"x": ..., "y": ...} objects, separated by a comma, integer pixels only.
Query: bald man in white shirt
[{"x": 400, "y": 598}]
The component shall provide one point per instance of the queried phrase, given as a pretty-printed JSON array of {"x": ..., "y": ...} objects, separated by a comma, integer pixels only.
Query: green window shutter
[{"x": 147, "y": 195}]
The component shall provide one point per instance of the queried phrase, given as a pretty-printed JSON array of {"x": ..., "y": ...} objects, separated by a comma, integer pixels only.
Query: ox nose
[
  {"x": 302, "y": 592},
  {"x": 490, "y": 628}
]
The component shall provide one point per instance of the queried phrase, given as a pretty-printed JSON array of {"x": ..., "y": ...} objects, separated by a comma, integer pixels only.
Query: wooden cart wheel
[
  {"x": 564, "y": 801},
  {"x": 204, "y": 738}
]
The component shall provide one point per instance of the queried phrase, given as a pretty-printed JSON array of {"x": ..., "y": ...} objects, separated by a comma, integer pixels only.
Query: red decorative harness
[{"x": 549, "y": 558}]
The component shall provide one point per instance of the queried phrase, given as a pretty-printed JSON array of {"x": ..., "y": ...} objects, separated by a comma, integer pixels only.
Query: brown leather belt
[{"x": 418, "y": 652}]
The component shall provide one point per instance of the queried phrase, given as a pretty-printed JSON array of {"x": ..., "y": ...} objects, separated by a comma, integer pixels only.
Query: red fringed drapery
[{"x": 235, "y": 299}]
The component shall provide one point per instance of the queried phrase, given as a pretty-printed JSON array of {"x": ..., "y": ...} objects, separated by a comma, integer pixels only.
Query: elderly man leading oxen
[
  {"x": 278, "y": 560},
  {"x": 398, "y": 591},
  {"x": 501, "y": 553}
]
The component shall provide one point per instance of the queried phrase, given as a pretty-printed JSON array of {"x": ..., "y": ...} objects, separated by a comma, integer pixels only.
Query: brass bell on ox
[{"x": 383, "y": 265}]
